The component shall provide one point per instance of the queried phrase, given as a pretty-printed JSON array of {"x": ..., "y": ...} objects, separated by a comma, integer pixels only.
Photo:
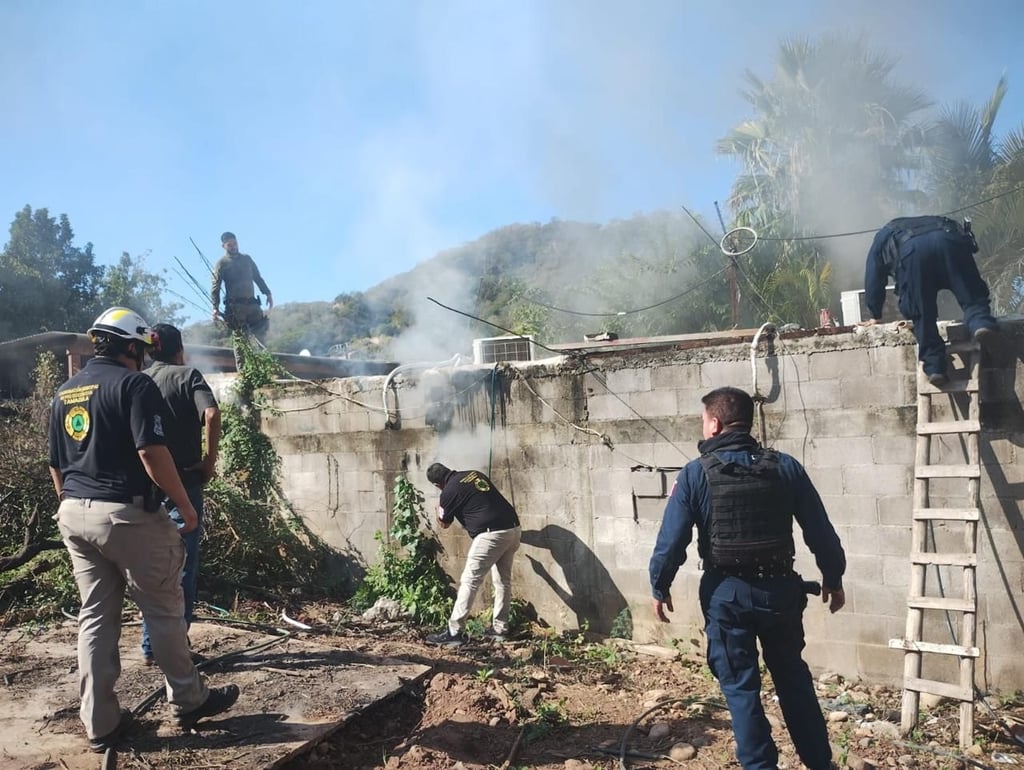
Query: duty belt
[
  {"x": 938, "y": 223},
  {"x": 241, "y": 301},
  {"x": 759, "y": 572}
]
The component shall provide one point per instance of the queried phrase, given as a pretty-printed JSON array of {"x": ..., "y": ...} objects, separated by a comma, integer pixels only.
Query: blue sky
[{"x": 345, "y": 142}]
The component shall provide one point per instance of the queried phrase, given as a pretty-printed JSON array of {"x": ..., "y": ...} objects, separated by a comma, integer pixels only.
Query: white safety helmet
[{"x": 124, "y": 323}]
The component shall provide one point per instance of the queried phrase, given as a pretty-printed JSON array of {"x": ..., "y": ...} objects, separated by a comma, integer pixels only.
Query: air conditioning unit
[
  {"x": 855, "y": 309},
  {"x": 492, "y": 350}
]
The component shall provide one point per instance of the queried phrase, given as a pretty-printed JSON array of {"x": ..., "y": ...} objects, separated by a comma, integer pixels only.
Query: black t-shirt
[
  {"x": 470, "y": 497},
  {"x": 187, "y": 396},
  {"x": 99, "y": 420}
]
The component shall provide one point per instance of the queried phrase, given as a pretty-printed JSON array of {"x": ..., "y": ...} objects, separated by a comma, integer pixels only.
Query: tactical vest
[{"x": 750, "y": 527}]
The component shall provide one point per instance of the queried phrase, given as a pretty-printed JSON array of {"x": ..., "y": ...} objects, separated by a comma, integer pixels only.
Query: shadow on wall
[{"x": 592, "y": 594}]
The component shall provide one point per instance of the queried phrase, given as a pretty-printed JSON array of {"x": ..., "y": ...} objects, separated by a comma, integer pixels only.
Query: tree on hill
[
  {"x": 49, "y": 284},
  {"x": 46, "y": 282}
]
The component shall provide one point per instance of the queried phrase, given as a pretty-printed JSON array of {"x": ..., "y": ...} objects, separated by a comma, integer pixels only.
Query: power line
[
  {"x": 875, "y": 229},
  {"x": 498, "y": 326},
  {"x": 635, "y": 310}
]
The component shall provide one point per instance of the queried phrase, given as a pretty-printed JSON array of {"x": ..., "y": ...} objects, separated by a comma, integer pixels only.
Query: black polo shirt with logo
[
  {"x": 472, "y": 498},
  {"x": 99, "y": 420}
]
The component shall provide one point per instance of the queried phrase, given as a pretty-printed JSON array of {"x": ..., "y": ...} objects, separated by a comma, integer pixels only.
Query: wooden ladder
[{"x": 963, "y": 418}]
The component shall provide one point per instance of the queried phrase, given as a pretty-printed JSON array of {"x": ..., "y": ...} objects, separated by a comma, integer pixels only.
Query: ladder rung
[
  {"x": 956, "y": 426},
  {"x": 968, "y": 471},
  {"x": 967, "y": 346},
  {"x": 942, "y": 603},
  {"x": 953, "y": 386},
  {"x": 951, "y": 514},
  {"x": 945, "y": 559},
  {"x": 940, "y": 649},
  {"x": 943, "y": 689}
]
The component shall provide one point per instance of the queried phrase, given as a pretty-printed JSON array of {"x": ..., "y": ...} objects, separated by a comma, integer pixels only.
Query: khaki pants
[
  {"x": 492, "y": 551},
  {"x": 113, "y": 546}
]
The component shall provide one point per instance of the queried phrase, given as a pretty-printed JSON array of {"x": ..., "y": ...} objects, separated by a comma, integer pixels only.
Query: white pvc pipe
[
  {"x": 453, "y": 361},
  {"x": 753, "y": 354}
]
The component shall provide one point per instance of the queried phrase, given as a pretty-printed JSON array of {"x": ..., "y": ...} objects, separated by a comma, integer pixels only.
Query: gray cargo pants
[
  {"x": 490, "y": 552},
  {"x": 113, "y": 546}
]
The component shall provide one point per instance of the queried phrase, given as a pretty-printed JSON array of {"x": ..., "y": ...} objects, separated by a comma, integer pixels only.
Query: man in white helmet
[{"x": 108, "y": 455}]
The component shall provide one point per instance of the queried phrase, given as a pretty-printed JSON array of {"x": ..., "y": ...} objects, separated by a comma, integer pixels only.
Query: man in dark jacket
[
  {"x": 743, "y": 498},
  {"x": 926, "y": 255},
  {"x": 492, "y": 522}
]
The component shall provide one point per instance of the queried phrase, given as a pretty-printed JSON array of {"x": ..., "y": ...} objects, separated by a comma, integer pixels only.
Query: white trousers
[{"x": 492, "y": 551}]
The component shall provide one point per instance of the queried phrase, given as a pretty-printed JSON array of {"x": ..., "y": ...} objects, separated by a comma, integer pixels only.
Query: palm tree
[
  {"x": 968, "y": 162},
  {"x": 834, "y": 144}
]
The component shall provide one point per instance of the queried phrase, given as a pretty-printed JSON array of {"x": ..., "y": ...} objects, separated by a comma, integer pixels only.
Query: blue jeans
[
  {"x": 737, "y": 614},
  {"x": 190, "y": 572}
]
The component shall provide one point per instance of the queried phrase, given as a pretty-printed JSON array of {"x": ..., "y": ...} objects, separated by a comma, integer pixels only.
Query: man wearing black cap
[
  {"x": 193, "y": 409},
  {"x": 492, "y": 523},
  {"x": 238, "y": 272}
]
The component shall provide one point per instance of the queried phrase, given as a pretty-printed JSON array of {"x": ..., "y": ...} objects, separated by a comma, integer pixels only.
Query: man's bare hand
[
  {"x": 270, "y": 302},
  {"x": 869, "y": 322},
  {"x": 660, "y": 606},
  {"x": 835, "y": 597},
  {"x": 189, "y": 518},
  {"x": 207, "y": 468}
]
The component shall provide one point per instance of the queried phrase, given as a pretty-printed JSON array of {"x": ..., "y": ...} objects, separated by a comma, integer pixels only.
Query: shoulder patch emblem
[{"x": 76, "y": 423}]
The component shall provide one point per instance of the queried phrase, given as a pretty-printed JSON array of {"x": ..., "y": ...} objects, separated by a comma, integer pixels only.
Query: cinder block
[
  {"x": 828, "y": 452},
  {"x": 882, "y": 540},
  {"x": 718, "y": 374},
  {"x": 893, "y": 450},
  {"x": 688, "y": 402},
  {"x": 648, "y": 483},
  {"x": 860, "y": 390},
  {"x": 838, "y": 364},
  {"x": 807, "y": 394},
  {"x": 675, "y": 376},
  {"x": 612, "y": 506},
  {"x": 628, "y": 380},
  {"x": 654, "y": 403},
  {"x": 870, "y": 598},
  {"x": 605, "y": 406},
  {"x": 649, "y": 508},
  {"x": 618, "y": 480},
  {"x": 892, "y": 359},
  {"x": 888, "y": 480},
  {"x": 851, "y": 510},
  {"x": 832, "y": 654},
  {"x": 862, "y": 566},
  {"x": 895, "y": 571},
  {"x": 878, "y": 663}
]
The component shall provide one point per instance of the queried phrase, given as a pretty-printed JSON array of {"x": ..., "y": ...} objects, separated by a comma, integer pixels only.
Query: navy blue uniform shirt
[
  {"x": 689, "y": 505},
  {"x": 99, "y": 419}
]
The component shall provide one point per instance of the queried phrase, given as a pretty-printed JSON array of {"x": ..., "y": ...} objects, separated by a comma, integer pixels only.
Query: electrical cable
[
  {"x": 498, "y": 326},
  {"x": 794, "y": 238},
  {"x": 681, "y": 294}
]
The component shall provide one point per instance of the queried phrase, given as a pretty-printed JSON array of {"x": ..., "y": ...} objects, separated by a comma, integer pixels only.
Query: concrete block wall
[{"x": 588, "y": 454}]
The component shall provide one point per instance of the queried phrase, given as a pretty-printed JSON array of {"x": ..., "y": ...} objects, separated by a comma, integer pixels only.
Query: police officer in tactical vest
[
  {"x": 108, "y": 457},
  {"x": 743, "y": 499},
  {"x": 926, "y": 255}
]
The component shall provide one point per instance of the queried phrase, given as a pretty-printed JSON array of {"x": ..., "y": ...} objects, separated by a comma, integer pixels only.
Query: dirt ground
[{"x": 544, "y": 702}]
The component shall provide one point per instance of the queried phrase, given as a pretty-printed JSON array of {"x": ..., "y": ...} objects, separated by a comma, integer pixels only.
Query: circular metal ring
[{"x": 734, "y": 231}]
